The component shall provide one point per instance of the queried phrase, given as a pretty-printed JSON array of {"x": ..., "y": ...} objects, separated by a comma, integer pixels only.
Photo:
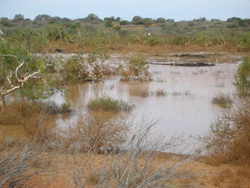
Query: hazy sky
[{"x": 127, "y": 9}]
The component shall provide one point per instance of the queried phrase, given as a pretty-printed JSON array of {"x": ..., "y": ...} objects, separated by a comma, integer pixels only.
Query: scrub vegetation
[{"x": 103, "y": 148}]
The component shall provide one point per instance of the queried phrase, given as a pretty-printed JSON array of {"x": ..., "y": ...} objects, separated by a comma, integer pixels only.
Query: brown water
[{"x": 185, "y": 109}]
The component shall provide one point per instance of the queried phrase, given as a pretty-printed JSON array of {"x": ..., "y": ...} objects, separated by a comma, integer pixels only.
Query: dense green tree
[
  {"x": 18, "y": 17},
  {"x": 160, "y": 20},
  {"x": 137, "y": 20},
  {"x": 92, "y": 18},
  {"x": 42, "y": 17}
]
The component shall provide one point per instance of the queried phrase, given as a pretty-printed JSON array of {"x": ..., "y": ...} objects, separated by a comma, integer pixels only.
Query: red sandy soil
[{"x": 201, "y": 174}]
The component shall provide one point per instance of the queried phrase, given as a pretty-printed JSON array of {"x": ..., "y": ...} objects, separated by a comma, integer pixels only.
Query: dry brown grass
[
  {"x": 232, "y": 177},
  {"x": 20, "y": 162},
  {"x": 136, "y": 166},
  {"x": 138, "y": 90},
  {"x": 18, "y": 113},
  {"x": 94, "y": 130},
  {"x": 160, "y": 93},
  {"x": 31, "y": 116}
]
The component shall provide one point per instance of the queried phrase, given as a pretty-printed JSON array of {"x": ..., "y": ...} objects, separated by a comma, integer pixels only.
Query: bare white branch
[{"x": 21, "y": 82}]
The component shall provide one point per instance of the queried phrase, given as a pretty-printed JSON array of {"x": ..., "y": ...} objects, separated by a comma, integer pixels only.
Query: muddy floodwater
[{"x": 184, "y": 109}]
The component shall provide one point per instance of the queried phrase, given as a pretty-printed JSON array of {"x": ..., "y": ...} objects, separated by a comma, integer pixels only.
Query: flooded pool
[{"x": 184, "y": 106}]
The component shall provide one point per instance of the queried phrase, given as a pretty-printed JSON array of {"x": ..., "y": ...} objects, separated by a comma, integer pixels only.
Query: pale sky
[{"x": 127, "y": 9}]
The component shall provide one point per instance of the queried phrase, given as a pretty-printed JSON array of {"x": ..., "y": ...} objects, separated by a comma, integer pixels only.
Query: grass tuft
[
  {"x": 109, "y": 104},
  {"x": 160, "y": 93},
  {"x": 222, "y": 100}
]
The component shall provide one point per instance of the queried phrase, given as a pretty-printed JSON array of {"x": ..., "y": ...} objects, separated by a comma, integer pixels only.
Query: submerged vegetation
[{"x": 109, "y": 104}]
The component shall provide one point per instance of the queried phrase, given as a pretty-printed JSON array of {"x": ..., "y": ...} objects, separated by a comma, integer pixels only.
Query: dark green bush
[
  {"x": 108, "y": 24},
  {"x": 123, "y": 22}
]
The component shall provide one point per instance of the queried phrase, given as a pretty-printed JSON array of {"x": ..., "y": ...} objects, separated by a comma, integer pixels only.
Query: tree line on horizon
[{"x": 136, "y": 20}]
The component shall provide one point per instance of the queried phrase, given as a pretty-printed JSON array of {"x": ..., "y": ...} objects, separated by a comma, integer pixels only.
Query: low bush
[
  {"x": 74, "y": 71},
  {"x": 91, "y": 68},
  {"x": 228, "y": 140},
  {"x": 136, "y": 166},
  {"x": 136, "y": 70},
  {"x": 20, "y": 162},
  {"x": 95, "y": 130}
]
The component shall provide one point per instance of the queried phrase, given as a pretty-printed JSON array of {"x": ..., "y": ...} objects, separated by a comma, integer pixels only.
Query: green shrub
[
  {"x": 123, "y": 22},
  {"x": 154, "y": 39},
  {"x": 242, "y": 77},
  {"x": 95, "y": 130},
  {"x": 81, "y": 69},
  {"x": 108, "y": 24},
  {"x": 74, "y": 70},
  {"x": 136, "y": 70},
  {"x": 243, "y": 42}
]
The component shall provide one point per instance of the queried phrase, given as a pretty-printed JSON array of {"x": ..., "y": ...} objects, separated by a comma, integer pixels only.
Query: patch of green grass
[{"x": 109, "y": 104}]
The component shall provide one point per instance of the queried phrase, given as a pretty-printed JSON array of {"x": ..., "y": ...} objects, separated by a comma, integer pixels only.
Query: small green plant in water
[{"x": 109, "y": 104}]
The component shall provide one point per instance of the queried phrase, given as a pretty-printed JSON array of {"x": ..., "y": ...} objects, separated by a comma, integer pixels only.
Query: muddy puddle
[{"x": 179, "y": 98}]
